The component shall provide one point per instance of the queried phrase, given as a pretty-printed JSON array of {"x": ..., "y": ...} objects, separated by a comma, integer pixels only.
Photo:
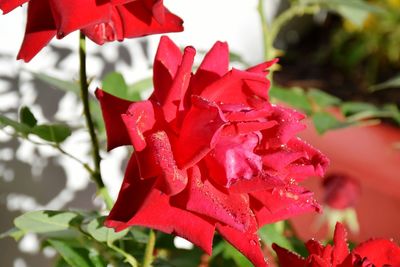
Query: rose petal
[
  {"x": 172, "y": 101},
  {"x": 288, "y": 258},
  {"x": 138, "y": 21},
  {"x": 263, "y": 67},
  {"x": 247, "y": 243},
  {"x": 237, "y": 87},
  {"x": 282, "y": 203},
  {"x": 316, "y": 261},
  {"x": 166, "y": 63},
  {"x": 72, "y": 15},
  {"x": 340, "y": 250},
  {"x": 233, "y": 159},
  {"x": 139, "y": 118},
  {"x": 40, "y": 29},
  {"x": 107, "y": 31},
  {"x": 260, "y": 183},
  {"x": 139, "y": 203},
  {"x": 288, "y": 125},
  {"x": 199, "y": 132},
  {"x": 112, "y": 108},
  {"x": 203, "y": 198},
  {"x": 158, "y": 160},
  {"x": 214, "y": 65},
  {"x": 9, "y": 5},
  {"x": 380, "y": 252}
]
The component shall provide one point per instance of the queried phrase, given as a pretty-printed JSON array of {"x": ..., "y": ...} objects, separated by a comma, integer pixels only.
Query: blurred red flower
[
  {"x": 211, "y": 152},
  {"x": 371, "y": 253},
  {"x": 341, "y": 191},
  {"x": 101, "y": 21}
]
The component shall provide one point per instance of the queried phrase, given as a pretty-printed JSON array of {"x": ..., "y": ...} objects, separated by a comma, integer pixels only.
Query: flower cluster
[
  {"x": 211, "y": 153},
  {"x": 101, "y": 21},
  {"x": 371, "y": 253}
]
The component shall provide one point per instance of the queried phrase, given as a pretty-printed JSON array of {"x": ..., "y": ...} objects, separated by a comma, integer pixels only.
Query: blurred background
[{"x": 339, "y": 64}]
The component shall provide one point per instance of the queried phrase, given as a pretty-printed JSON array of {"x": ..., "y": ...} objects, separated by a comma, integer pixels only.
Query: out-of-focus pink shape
[{"x": 368, "y": 154}]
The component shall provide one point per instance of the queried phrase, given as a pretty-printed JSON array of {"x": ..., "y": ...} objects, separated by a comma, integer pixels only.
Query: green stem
[
  {"x": 84, "y": 86},
  {"x": 128, "y": 258},
  {"x": 264, "y": 28},
  {"x": 148, "y": 253},
  {"x": 288, "y": 15}
]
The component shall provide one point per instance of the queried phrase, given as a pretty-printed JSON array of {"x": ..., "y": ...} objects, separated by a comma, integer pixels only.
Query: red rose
[
  {"x": 341, "y": 191},
  {"x": 101, "y": 21},
  {"x": 371, "y": 253},
  {"x": 211, "y": 152}
]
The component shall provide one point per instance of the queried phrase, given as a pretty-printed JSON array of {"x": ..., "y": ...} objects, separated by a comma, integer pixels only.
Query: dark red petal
[
  {"x": 380, "y": 252},
  {"x": 316, "y": 261},
  {"x": 282, "y": 203},
  {"x": 139, "y": 203},
  {"x": 314, "y": 247},
  {"x": 214, "y": 65},
  {"x": 340, "y": 249},
  {"x": 9, "y": 5},
  {"x": 246, "y": 242},
  {"x": 166, "y": 63},
  {"x": 205, "y": 199},
  {"x": 40, "y": 29},
  {"x": 238, "y": 87},
  {"x": 112, "y": 108},
  {"x": 341, "y": 191},
  {"x": 72, "y": 15},
  {"x": 139, "y": 21},
  {"x": 288, "y": 258},
  {"x": 199, "y": 132},
  {"x": 139, "y": 118},
  {"x": 158, "y": 160}
]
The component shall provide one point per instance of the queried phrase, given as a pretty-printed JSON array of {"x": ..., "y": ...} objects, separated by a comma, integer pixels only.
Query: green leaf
[
  {"x": 95, "y": 258},
  {"x": 354, "y": 10},
  {"x": 274, "y": 233},
  {"x": 104, "y": 234},
  {"x": 114, "y": 83},
  {"x": 391, "y": 83},
  {"x": 323, "y": 121},
  {"x": 70, "y": 255},
  {"x": 66, "y": 86},
  {"x": 349, "y": 108},
  {"x": 139, "y": 236},
  {"x": 14, "y": 233},
  {"x": 230, "y": 252},
  {"x": 46, "y": 221},
  {"x": 18, "y": 127},
  {"x": 294, "y": 97},
  {"x": 138, "y": 87},
  {"x": 26, "y": 117},
  {"x": 322, "y": 98},
  {"x": 52, "y": 132},
  {"x": 49, "y": 132}
]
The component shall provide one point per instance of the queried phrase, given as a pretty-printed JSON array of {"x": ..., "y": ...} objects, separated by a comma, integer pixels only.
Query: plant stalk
[
  {"x": 84, "y": 86},
  {"x": 148, "y": 253}
]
